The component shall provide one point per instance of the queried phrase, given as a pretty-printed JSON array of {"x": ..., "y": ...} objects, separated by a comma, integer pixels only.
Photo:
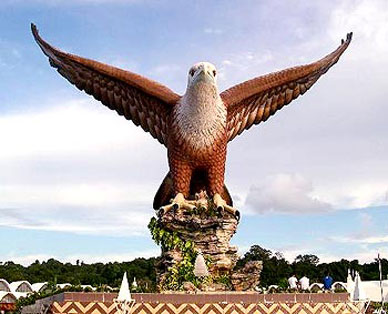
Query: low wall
[
  {"x": 217, "y": 303},
  {"x": 7, "y": 307}
]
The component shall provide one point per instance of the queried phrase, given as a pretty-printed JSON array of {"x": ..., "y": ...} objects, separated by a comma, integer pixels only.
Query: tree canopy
[
  {"x": 276, "y": 270},
  {"x": 96, "y": 274}
]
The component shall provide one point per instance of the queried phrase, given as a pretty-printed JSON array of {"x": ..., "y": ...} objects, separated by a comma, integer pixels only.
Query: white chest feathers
[{"x": 201, "y": 122}]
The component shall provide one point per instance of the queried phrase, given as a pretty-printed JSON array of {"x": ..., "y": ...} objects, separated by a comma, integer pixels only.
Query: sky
[{"x": 77, "y": 181}]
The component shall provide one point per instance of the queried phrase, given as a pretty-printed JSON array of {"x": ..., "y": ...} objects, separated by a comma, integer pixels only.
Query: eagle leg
[
  {"x": 221, "y": 206},
  {"x": 179, "y": 202}
]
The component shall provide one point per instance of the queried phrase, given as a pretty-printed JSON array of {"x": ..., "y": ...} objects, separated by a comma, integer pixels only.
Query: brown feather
[
  {"x": 129, "y": 94},
  {"x": 269, "y": 93}
]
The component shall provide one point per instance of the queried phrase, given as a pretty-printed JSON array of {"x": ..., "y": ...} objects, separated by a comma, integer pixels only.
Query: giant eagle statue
[{"x": 195, "y": 127}]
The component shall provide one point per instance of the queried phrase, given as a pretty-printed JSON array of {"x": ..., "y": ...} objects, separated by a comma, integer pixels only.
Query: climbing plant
[{"x": 182, "y": 271}]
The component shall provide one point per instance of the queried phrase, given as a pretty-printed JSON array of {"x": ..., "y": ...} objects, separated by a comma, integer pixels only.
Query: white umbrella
[
  {"x": 124, "y": 302},
  {"x": 359, "y": 293},
  {"x": 124, "y": 294},
  {"x": 350, "y": 284}
]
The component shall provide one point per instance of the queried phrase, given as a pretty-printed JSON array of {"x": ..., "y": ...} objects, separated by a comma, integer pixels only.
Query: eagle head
[{"x": 203, "y": 72}]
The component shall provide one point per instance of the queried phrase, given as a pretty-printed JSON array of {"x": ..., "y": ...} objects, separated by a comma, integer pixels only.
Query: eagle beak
[
  {"x": 201, "y": 72},
  {"x": 203, "y": 75}
]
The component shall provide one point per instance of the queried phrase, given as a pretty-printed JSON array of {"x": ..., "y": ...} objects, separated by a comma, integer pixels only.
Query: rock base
[
  {"x": 248, "y": 277},
  {"x": 210, "y": 234}
]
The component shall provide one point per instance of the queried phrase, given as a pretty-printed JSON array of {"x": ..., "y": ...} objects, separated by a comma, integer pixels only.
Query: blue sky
[{"x": 77, "y": 181}]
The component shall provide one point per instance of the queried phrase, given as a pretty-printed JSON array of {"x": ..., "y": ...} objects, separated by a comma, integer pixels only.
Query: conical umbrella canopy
[
  {"x": 200, "y": 268},
  {"x": 349, "y": 283},
  {"x": 124, "y": 294},
  {"x": 359, "y": 293}
]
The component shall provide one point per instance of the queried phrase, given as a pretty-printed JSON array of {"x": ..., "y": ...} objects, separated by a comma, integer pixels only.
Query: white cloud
[
  {"x": 73, "y": 167},
  {"x": 364, "y": 254},
  {"x": 77, "y": 126},
  {"x": 356, "y": 194},
  {"x": 64, "y": 194},
  {"x": 358, "y": 239},
  {"x": 368, "y": 19},
  {"x": 284, "y": 193},
  {"x": 112, "y": 220},
  {"x": 293, "y": 193}
]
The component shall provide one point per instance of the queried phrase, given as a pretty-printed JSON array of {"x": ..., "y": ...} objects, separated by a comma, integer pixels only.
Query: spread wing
[
  {"x": 254, "y": 101},
  {"x": 145, "y": 102}
]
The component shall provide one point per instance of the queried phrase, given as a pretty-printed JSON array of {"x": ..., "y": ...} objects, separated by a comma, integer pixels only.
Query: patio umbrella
[{"x": 359, "y": 293}]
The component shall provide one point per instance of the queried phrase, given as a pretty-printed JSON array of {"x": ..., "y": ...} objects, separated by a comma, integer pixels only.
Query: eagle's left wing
[
  {"x": 256, "y": 100},
  {"x": 143, "y": 101}
]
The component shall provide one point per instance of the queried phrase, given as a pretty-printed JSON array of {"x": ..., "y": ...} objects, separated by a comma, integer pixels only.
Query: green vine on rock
[
  {"x": 181, "y": 271},
  {"x": 167, "y": 239}
]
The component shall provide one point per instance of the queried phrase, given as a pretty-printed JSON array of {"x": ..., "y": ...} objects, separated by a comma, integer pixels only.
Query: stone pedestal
[
  {"x": 210, "y": 234},
  {"x": 248, "y": 277}
]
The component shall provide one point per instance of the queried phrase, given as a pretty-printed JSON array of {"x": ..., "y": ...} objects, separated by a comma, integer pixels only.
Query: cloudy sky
[{"x": 77, "y": 181}]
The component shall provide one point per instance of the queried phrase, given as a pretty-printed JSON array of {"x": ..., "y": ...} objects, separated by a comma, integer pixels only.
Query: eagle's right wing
[
  {"x": 254, "y": 101},
  {"x": 145, "y": 102}
]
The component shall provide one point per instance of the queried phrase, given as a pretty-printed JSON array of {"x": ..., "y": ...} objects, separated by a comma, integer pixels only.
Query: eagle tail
[{"x": 166, "y": 190}]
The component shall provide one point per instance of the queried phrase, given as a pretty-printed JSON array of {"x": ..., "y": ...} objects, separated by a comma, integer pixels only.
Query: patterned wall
[
  {"x": 71, "y": 307},
  {"x": 7, "y": 307}
]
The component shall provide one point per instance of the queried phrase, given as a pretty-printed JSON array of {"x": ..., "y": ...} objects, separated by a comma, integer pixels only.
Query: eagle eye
[
  {"x": 214, "y": 72},
  {"x": 192, "y": 72}
]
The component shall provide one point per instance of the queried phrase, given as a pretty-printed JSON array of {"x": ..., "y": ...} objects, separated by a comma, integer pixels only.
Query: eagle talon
[
  {"x": 179, "y": 202},
  {"x": 222, "y": 207},
  {"x": 220, "y": 211},
  {"x": 237, "y": 215},
  {"x": 164, "y": 209}
]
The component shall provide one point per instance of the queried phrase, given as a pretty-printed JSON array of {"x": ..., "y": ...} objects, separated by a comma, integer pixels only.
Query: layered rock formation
[
  {"x": 210, "y": 235},
  {"x": 248, "y": 277}
]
